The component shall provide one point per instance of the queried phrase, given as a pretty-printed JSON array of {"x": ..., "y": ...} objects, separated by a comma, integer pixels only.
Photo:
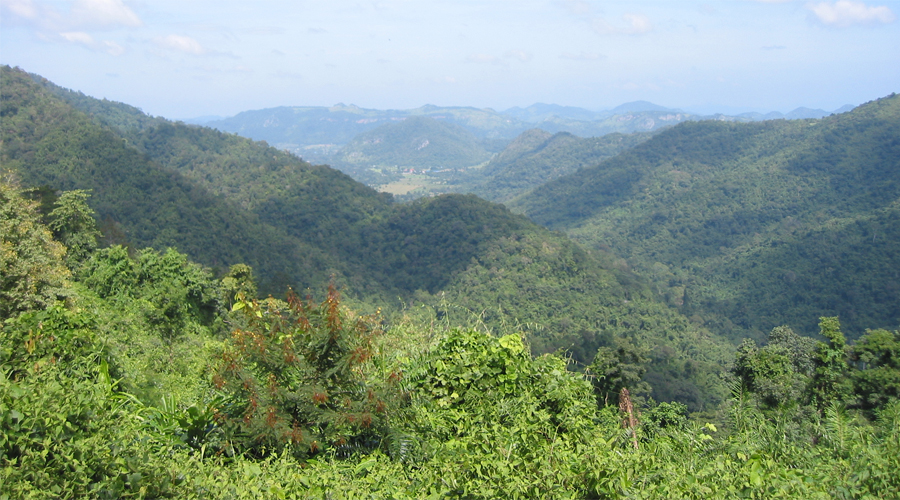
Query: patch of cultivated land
[{"x": 410, "y": 182}]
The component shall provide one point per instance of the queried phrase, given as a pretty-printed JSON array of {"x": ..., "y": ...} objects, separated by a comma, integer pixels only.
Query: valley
[{"x": 471, "y": 304}]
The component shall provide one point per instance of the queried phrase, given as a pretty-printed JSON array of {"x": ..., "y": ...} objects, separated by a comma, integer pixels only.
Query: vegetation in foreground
[
  {"x": 224, "y": 200},
  {"x": 138, "y": 375}
]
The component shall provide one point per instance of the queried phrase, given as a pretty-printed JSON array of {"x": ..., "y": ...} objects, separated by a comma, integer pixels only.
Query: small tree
[
  {"x": 32, "y": 272},
  {"x": 73, "y": 225},
  {"x": 780, "y": 372},
  {"x": 831, "y": 381},
  {"x": 622, "y": 367},
  {"x": 294, "y": 380}
]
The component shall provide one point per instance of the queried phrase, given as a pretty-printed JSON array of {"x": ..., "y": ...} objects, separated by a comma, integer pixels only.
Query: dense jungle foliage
[
  {"x": 750, "y": 226},
  {"x": 536, "y": 157},
  {"x": 442, "y": 348},
  {"x": 301, "y": 225},
  {"x": 140, "y": 375}
]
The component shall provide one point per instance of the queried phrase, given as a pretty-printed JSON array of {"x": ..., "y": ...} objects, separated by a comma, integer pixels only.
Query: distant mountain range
[
  {"x": 692, "y": 234},
  {"x": 418, "y": 141},
  {"x": 319, "y": 133}
]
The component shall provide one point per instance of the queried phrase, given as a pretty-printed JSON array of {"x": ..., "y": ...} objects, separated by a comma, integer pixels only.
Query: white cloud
[
  {"x": 846, "y": 13},
  {"x": 20, "y": 8},
  {"x": 104, "y": 14},
  {"x": 30, "y": 13},
  {"x": 86, "y": 40},
  {"x": 180, "y": 43},
  {"x": 84, "y": 15},
  {"x": 577, "y": 7},
  {"x": 78, "y": 37},
  {"x": 519, "y": 54},
  {"x": 633, "y": 24},
  {"x": 113, "y": 48},
  {"x": 638, "y": 24}
]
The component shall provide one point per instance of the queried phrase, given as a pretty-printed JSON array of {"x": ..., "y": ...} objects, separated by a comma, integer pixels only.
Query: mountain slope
[
  {"x": 49, "y": 143},
  {"x": 536, "y": 157},
  {"x": 751, "y": 225},
  {"x": 224, "y": 199},
  {"x": 416, "y": 142}
]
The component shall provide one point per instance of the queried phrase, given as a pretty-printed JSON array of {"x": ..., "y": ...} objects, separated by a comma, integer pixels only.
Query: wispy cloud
[
  {"x": 846, "y": 13},
  {"x": 72, "y": 27},
  {"x": 519, "y": 54},
  {"x": 630, "y": 24},
  {"x": 86, "y": 40},
  {"x": 183, "y": 44},
  {"x": 22, "y": 9},
  {"x": 578, "y": 8},
  {"x": 103, "y": 14},
  {"x": 84, "y": 15}
]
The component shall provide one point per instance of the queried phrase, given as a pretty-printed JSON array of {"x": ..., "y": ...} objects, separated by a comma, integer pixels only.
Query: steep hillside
[
  {"x": 416, "y": 142},
  {"x": 752, "y": 225},
  {"x": 476, "y": 263},
  {"x": 536, "y": 157},
  {"x": 138, "y": 201},
  {"x": 223, "y": 199}
]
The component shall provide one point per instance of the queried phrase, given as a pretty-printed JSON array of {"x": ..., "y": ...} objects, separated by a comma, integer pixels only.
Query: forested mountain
[
  {"x": 751, "y": 226},
  {"x": 536, "y": 157},
  {"x": 226, "y": 200},
  {"x": 119, "y": 381},
  {"x": 417, "y": 142},
  {"x": 207, "y": 208},
  {"x": 134, "y": 372},
  {"x": 342, "y": 136},
  {"x": 539, "y": 112},
  {"x": 318, "y": 133}
]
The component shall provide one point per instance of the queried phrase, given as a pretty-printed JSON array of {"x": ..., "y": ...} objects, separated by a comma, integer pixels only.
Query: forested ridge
[
  {"x": 308, "y": 225},
  {"x": 536, "y": 157},
  {"x": 751, "y": 226},
  {"x": 416, "y": 142},
  {"x": 514, "y": 364},
  {"x": 121, "y": 379}
]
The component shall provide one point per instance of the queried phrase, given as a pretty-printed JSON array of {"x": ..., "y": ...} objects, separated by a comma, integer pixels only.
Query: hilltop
[{"x": 751, "y": 225}]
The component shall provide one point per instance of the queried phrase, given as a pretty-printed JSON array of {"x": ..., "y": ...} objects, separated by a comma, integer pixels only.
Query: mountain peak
[{"x": 639, "y": 106}]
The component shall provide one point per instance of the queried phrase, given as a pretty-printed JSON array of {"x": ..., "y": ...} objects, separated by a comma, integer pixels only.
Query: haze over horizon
[{"x": 182, "y": 60}]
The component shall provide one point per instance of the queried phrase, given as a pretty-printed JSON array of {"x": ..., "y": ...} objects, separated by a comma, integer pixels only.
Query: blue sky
[{"x": 189, "y": 58}]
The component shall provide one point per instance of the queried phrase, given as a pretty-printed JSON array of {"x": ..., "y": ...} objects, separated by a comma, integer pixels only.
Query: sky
[{"x": 183, "y": 59}]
